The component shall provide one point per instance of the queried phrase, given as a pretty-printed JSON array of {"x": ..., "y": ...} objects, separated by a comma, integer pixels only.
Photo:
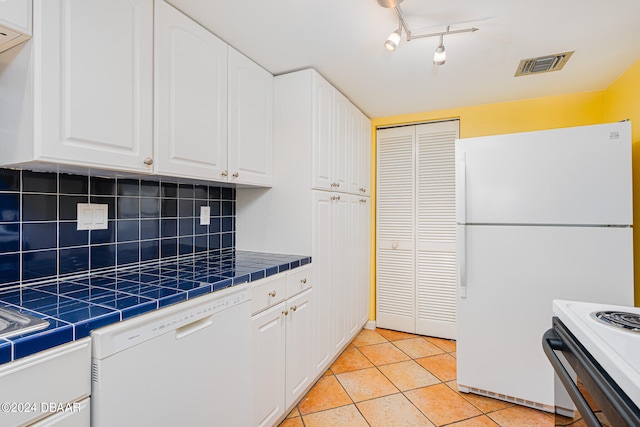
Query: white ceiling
[{"x": 343, "y": 40}]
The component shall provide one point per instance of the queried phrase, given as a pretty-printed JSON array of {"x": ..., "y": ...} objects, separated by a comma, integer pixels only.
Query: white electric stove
[{"x": 597, "y": 346}]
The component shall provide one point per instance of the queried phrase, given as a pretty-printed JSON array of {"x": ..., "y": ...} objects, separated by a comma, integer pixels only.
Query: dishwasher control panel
[{"x": 191, "y": 314}]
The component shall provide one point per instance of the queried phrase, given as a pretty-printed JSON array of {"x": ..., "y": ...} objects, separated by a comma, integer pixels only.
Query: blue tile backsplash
[{"x": 147, "y": 220}]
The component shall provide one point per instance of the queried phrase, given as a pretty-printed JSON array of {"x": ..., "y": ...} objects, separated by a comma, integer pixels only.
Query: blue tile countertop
[{"x": 77, "y": 305}]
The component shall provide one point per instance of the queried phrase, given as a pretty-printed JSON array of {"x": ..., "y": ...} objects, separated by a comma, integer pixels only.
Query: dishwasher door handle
[{"x": 194, "y": 327}]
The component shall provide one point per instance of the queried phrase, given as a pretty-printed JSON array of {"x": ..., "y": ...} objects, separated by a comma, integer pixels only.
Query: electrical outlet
[
  {"x": 205, "y": 215},
  {"x": 92, "y": 216}
]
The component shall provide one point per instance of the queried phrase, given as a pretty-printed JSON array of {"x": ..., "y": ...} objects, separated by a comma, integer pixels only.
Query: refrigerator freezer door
[
  {"x": 578, "y": 175},
  {"x": 512, "y": 275}
]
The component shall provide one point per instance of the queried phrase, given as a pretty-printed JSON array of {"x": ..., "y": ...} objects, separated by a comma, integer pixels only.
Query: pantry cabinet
[
  {"x": 314, "y": 217},
  {"x": 80, "y": 93},
  {"x": 282, "y": 342},
  {"x": 190, "y": 98}
]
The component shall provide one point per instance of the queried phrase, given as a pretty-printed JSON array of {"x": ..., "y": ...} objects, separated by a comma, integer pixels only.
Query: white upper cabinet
[
  {"x": 93, "y": 72},
  {"x": 340, "y": 158},
  {"x": 323, "y": 133},
  {"x": 250, "y": 121},
  {"x": 190, "y": 98}
]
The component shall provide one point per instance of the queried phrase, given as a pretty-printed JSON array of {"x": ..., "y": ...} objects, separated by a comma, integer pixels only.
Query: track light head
[
  {"x": 440, "y": 56},
  {"x": 393, "y": 40}
]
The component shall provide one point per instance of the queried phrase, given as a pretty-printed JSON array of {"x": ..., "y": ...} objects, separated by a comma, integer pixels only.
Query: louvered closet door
[
  {"x": 395, "y": 288},
  {"x": 435, "y": 229}
]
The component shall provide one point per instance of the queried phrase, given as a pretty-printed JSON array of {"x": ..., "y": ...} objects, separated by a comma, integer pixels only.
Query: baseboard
[{"x": 370, "y": 325}]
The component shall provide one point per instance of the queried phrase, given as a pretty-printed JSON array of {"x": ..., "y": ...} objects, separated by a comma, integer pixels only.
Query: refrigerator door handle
[
  {"x": 461, "y": 258},
  {"x": 461, "y": 188}
]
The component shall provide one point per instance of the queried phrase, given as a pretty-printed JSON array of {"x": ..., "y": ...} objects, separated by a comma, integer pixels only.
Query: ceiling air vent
[{"x": 543, "y": 64}]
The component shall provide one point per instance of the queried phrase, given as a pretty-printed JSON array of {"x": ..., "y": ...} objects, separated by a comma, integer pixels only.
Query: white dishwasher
[{"x": 185, "y": 365}]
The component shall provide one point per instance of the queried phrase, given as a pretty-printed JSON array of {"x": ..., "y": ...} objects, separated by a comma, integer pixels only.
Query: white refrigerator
[{"x": 540, "y": 216}]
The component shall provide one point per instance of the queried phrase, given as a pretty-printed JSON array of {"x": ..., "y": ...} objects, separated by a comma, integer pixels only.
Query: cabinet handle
[
  {"x": 303, "y": 280},
  {"x": 285, "y": 312},
  {"x": 363, "y": 190},
  {"x": 363, "y": 200},
  {"x": 236, "y": 174},
  {"x": 335, "y": 197},
  {"x": 148, "y": 161},
  {"x": 294, "y": 308},
  {"x": 337, "y": 184},
  {"x": 272, "y": 294},
  {"x": 224, "y": 173}
]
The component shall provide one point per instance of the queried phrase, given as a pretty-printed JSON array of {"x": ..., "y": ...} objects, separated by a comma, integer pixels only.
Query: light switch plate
[
  {"x": 92, "y": 216},
  {"x": 205, "y": 215}
]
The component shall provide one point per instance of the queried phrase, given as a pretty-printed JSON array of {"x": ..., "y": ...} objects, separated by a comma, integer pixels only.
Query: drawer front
[
  {"x": 268, "y": 292},
  {"x": 32, "y": 379},
  {"x": 299, "y": 280}
]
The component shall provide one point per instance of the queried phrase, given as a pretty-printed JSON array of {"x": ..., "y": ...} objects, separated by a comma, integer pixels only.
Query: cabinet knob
[
  {"x": 394, "y": 245},
  {"x": 303, "y": 280},
  {"x": 285, "y": 312},
  {"x": 363, "y": 190},
  {"x": 363, "y": 200},
  {"x": 335, "y": 197},
  {"x": 294, "y": 308},
  {"x": 236, "y": 174},
  {"x": 272, "y": 294},
  {"x": 148, "y": 161},
  {"x": 224, "y": 173}
]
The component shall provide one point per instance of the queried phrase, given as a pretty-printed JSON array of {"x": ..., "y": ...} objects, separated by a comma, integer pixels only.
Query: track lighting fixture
[
  {"x": 393, "y": 41},
  {"x": 441, "y": 55}
]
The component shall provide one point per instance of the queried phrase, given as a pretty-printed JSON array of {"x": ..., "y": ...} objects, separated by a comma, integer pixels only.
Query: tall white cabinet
[
  {"x": 320, "y": 147},
  {"x": 415, "y": 258}
]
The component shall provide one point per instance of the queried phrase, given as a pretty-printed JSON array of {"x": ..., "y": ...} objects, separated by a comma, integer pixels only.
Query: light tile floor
[{"x": 388, "y": 378}]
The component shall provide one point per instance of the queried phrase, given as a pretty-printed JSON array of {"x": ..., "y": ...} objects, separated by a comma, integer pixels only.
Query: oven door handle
[{"x": 550, "y": 342}]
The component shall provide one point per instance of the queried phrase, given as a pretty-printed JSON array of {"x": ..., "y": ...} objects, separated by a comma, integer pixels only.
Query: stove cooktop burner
[{"x": 619, "y": 319}]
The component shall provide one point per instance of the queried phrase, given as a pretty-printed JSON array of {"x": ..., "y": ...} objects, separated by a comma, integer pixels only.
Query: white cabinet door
[
  {"x": 268, "y": 332},
  {"x": 323, "y": 248},
  {"x": 300, "y": 337},
  {"x": 365, "y": 155},
  {"x": 250, "y": 121},
  {"x": 341, "y": 149},
  {"x": 323, "y": 133},
  {"x": 340, "y": 262},
  {"x": 191, "y": 97},
  {"x": 358, "y": 266},
  {"x": 363, "y": 250},
  {"x": 94, "y": 82}
]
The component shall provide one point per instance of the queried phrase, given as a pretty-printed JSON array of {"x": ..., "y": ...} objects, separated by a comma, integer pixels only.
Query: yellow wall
[{"x": 621, "y": 100}]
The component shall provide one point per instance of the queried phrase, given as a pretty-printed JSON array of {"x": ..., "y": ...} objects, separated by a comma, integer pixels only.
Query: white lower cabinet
[
  {"x": 58, "y": 376},
  {"x": 282, "y": 344}
]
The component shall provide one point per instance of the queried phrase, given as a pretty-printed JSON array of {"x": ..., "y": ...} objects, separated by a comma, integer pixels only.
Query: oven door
[{"x": 581, "y": 380}]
